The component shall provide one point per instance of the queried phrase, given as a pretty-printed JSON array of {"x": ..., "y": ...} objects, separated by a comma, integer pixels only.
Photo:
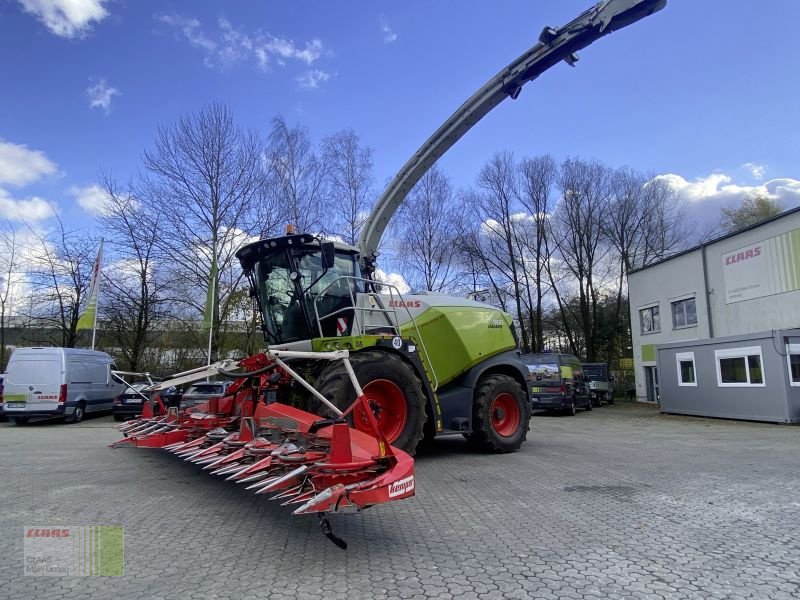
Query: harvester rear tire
[
  {"x": 378, "y": 373},
  {"x": 500, "y": 415}
]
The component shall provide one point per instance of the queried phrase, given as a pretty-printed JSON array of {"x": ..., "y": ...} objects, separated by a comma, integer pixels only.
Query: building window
[
  {"x": 684, "y": 313},
  {"x": 686, "y": 372},
  {"x": 793, "y": 358},
  {"x": 650, "y": 319},
  {"x": 738, "y": 367}
]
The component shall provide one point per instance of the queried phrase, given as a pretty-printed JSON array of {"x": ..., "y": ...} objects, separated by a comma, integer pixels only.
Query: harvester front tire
[
  {"x": 500, "y": 415},
  {"x": 387, "y": 380}
]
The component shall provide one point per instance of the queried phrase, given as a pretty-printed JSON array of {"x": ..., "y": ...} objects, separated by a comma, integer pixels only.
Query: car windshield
[
  {"x": 136, "y": 387},
  {"x": 206, "y": 388},
  {"x": 595, "y": 373}
]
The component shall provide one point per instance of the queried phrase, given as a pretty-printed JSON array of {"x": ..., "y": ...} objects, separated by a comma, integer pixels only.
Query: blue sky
[{"x": 704, "y": 93}]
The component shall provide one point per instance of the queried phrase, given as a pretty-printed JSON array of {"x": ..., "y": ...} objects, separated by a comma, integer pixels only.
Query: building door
[{"x": 651, "y": 378}]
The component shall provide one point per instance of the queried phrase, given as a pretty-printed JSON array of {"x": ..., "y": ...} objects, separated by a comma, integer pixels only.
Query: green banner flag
[
  {"x": 87, "y": 318},
  {"x": 208, "y": 315}
]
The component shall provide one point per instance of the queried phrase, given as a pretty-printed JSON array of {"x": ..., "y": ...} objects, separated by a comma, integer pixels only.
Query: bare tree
[
  {"x": 585, "y": 190},
  {"x": 135, "y": 283},
  {"x": 10, "y": 262},
  {"x": 204, "y": 177},
  {"x": 296, "y": 176},
  {"x": 538, "y": 177},
  {"x": 61, "y": 271},
  {"x": 350, "y": 183},
  {"x": 427, "y": 230},
  {"x": 667, "y": 225},
  {"x": 495, "y": 210}
]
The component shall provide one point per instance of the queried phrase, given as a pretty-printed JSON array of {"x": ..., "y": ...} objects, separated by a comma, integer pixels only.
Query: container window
[
  {"x": 754, "y": 367},
  {"x": 650, "y": 319},
  {"x": 740, "y": 367},
  {"x": 686, "y": 369},
  {"x": 793, "y": 360},
  {"x": 684, "y": 313},
  {"x": 733, "y": 370},
  {"x": 794, "y": 368}
]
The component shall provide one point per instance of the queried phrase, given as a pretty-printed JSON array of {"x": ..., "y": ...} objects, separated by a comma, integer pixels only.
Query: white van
[{"x": 51, "y": 382}]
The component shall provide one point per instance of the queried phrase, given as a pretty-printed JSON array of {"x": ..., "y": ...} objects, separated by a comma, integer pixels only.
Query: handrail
[{"x": 364, "y": 309}]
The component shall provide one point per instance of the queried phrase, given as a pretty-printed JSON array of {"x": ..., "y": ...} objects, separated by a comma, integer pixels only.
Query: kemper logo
[{"x": 401, "y": 487}]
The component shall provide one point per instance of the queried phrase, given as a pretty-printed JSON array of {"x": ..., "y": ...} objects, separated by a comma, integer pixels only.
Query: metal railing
[{"x": 374, "y": 305}]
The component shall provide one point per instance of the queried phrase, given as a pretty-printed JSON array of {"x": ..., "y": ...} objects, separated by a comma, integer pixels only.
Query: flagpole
[
  {"x": 213, "y": 302},
  {"x": 97, "y": 299}
]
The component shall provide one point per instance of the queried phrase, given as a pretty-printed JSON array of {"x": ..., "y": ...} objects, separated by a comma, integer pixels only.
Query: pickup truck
[{"x": 601, "y": 386}]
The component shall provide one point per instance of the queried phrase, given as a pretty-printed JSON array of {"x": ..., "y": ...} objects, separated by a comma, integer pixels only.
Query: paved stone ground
[{"x": 618, "y": 503}]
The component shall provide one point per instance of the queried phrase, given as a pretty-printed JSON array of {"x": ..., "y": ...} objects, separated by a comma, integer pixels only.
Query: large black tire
[
  {"x": 494, "y": 428},
  {"x": 380, "y": 374}
]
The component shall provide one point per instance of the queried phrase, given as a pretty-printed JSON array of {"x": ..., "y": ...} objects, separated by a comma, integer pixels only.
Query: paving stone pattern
[{"x": 619, "y": 503}]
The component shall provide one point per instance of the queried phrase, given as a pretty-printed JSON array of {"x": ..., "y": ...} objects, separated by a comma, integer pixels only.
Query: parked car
[
  {"x": 557, "y": 383},
  {"x": 601, "y": 386},
  {"x": 58, "y": 382},
  {"x": 203, "y": 392},
  {"x": 130, "y": 402}
]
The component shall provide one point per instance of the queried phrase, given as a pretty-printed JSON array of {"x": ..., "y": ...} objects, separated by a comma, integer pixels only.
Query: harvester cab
[{"x": 303, "y": 287}]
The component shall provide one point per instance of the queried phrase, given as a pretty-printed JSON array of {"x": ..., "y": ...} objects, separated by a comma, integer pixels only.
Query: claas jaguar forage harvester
[{"x": 357, "y": 375}]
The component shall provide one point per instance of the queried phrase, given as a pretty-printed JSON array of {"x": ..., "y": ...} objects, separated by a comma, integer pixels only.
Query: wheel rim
[
  {"x": 505, "y": 414},
  {"x": 389, "y": 407}
]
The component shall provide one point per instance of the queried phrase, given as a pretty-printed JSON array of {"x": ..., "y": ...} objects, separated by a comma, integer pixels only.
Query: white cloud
[
  {"x": 394, "y": 279},
  {"x": 191, "y": 30},
  {"x": 229, "y": 44},
  {"x": 756, "y": 170},
  {"x": 389, "y": 36},
  {"x": 100, "y": 95},
  {"x": 21, "y": 166},
  {"x": 311, "y": 80},
  {"x": 91, "y": 198},
  {"x": 67, "y": 18},
  {"x": 28, "y": 210},
  {"x": 718, "y": 187}
]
